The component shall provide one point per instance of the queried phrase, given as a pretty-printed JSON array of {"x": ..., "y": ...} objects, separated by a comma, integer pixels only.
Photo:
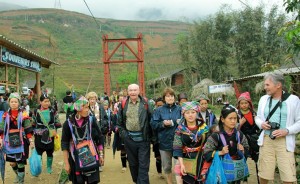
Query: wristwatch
[{"x": 287, "y": 130}]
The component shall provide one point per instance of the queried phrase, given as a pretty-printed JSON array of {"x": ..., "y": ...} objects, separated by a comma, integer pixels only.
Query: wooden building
[{"x": 20, "y": 58}]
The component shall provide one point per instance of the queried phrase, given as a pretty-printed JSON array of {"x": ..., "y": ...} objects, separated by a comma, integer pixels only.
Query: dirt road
[{"x": 111, "y": 174}]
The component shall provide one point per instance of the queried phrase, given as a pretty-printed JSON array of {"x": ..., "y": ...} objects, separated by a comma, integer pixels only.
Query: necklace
[{"x": 84, "y": 134}]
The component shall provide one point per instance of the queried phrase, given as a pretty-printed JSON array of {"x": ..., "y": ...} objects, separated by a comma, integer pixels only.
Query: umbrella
[{"x": 2, "y": 163}]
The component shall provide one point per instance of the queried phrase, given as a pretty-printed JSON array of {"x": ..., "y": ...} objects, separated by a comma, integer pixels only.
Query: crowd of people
[{"x": 187, "y": 138}]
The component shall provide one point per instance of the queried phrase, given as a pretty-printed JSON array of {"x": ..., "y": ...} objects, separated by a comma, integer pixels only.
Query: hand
[
  {"x": 68, "y": 168},
  {"x": 224, "y": 150},
  {"x": 182, "y": 170},
  {"x": 242, "y": 120},
  {"x": 54, "y": 133},
  {"x": 101, "y": 161},
  {"x": 280, "y": 133},
  {"x": 265, "y": 125},
  {"x": 31, "y": 144},
  {"x": 167, "y": 123},
  {"x": 241, "y": 147}
]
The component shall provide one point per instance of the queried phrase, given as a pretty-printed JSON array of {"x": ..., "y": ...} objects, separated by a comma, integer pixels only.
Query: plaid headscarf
[
  {"x": 14, "y": 95},
  {"x": 190, "y": 106},
  {"x": 80, "y": 103},
  {"x": 105, "y": 102}
]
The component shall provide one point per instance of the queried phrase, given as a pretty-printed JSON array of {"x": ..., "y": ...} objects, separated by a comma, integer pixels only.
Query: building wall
[{"x": 177, "y": 79}]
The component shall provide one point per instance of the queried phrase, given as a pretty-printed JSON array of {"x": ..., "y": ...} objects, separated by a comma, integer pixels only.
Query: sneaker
[
  {"x": 124, "y": 169},
  {"x": 100, "y": 169}
]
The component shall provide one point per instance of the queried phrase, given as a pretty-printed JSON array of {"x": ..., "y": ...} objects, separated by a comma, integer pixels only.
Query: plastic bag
[
  {"x": 35, "y": 162},
  {"x": 57, "y": 143},
  {"x": 216, "y": 173}
]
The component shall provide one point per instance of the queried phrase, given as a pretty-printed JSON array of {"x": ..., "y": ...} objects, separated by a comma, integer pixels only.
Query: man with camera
[{"x": 279, "y": 118}]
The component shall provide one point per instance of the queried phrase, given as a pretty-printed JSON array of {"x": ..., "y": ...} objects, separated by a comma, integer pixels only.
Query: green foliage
[
  {"x": 234, "y": 44},
  {"x": 291, "y": 30},
  {"x": 292, "y": 6}
]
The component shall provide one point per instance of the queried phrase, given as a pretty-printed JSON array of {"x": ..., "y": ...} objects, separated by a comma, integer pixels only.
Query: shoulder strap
[
  {"x": 72, "y": 132},
  {"x": 123, "y": 103},
  {"x": 283, "y": 98},
  {"x": 238, "y": 137},
  {"x": 273, "y": 110},
  {"x": 146, "y": 103},
  {"x": 223, "y": 139}
]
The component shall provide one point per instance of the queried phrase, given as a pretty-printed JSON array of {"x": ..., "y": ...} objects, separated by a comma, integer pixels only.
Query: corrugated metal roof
[
  {"x": 45, "y": 62},
  {"x": 284, "y": 71}
]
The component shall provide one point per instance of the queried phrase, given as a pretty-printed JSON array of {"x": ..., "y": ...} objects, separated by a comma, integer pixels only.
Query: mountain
[
  {"x": 74, "y": 40},
  {"x": 9, "y": 6}
]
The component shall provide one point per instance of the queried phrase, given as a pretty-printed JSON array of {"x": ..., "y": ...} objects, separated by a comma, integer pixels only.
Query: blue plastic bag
[
  {"x": 35, "y": 162},
  {"x": 216, "y": 173}
]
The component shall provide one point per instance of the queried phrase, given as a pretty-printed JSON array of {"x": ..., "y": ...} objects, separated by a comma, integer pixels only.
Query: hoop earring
[{"x": 77, "y": 117}]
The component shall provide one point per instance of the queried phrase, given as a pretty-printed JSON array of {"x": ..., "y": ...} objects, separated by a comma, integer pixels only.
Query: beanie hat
[{"x": 182, "y": 96}]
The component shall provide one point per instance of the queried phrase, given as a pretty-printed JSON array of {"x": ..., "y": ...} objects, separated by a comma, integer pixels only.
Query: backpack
[{"x": 145, "y": 104}]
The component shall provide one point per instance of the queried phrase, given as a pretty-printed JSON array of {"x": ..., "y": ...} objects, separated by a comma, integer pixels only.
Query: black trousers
[{"x": 138, "y": 154}]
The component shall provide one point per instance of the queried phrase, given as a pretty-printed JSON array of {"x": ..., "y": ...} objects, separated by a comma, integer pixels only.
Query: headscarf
[
  {"x": 78, "y": 105},
  {"x": 189, "y": 106},
  {"x": 105, "y": 102},
  {"x": 14, "y": 95},
  {"x": 202, "y": 97},
  {"x": 245, "y": 96}
]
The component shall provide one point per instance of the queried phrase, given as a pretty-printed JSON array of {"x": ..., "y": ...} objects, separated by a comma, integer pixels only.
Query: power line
[
  {"x": 244, "y": 3},
  {"x": 92, "y": 14}
]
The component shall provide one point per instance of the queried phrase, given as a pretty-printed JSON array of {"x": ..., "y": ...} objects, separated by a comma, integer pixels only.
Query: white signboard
[{"x": 221, "y": 88}]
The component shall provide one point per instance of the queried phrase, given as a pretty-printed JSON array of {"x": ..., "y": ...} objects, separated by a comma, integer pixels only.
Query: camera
[{"x": 274, "y": 126}]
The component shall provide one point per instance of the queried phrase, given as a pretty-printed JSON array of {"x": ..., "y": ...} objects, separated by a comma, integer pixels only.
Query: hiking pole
[{"x": 257, "y": 172}]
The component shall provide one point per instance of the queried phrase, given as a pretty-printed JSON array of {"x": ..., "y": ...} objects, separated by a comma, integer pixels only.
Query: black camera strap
[{"x": 284, "y": 96}]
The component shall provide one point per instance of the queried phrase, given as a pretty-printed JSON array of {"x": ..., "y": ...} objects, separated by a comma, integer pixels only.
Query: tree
[{"x": 291, "y": 30}]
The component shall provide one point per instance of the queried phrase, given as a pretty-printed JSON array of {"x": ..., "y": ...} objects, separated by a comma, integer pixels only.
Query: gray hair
[
  {"x": 275, "y": 77},
  {"x": 133, "y": 86}
]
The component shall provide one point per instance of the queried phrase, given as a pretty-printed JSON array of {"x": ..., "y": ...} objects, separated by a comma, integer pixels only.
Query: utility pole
[{"x": 57, "y": 4}]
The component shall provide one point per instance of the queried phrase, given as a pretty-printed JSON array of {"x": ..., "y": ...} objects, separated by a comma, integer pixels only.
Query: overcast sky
[{"x": 145, "y": 9}]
